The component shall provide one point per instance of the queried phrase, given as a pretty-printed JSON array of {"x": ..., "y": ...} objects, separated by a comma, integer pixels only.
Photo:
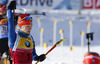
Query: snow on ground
[{"x": 63, "y": 54}]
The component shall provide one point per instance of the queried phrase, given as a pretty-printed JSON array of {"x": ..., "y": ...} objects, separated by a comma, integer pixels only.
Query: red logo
[{"x": 91, "y": 4}]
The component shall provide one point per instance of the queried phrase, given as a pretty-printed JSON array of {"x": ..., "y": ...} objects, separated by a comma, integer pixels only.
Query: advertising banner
[
  {"x": 43, "y": 4},
  {"x": 91, "y": 4}
]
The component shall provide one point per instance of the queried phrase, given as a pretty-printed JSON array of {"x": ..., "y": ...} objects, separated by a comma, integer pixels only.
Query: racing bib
[{"x": 3, "y": 31}]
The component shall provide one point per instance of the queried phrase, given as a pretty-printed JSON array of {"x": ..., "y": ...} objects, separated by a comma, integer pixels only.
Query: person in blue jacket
[
  {"x": 3, "y": 30},
  {"x": 22, "y": 44},
  {"x": 4, "y": 49}
]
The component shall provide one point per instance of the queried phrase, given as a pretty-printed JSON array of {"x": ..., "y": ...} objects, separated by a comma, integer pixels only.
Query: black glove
[
  {"x": 41, "y": 58},
  {"x": 12, "y": 5}
]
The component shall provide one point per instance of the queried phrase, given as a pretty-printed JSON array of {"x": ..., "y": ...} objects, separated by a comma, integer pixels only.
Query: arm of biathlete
[
  {"x": 34, "y": 55},
  {"x": 11, "y": 29}
]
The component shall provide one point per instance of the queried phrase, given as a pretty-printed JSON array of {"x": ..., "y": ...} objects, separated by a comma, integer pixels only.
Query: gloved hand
[
  {"x": 12, "y": 5},
  {"x": 41, "y": 58}
]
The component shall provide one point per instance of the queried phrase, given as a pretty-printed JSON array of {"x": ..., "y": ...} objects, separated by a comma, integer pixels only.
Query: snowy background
[
  {"x": 79, "y": 22},
  {"x": 63, "y": 54}
]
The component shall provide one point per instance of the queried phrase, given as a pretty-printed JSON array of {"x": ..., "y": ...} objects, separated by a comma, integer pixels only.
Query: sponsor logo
[
  {"x": 27, "y": 43},
  {"x": 33, "y": 2},
  {"x": 93, "y": 61},
  {"x": 91, "y": 4},
  {"x": 43, "y": 4}
]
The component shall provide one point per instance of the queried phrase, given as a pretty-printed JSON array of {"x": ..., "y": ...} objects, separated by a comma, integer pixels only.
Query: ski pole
[
  {"x": 60, "y": 41},
  {"x": 18, "y": 12}
]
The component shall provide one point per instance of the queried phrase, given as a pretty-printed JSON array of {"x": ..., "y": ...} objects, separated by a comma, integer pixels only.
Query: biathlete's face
[{"x": 26, "y": 28}]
